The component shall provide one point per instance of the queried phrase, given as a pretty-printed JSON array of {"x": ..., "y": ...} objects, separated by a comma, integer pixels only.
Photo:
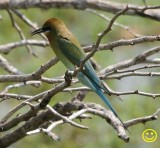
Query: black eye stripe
[{"x": 46, "y": 28}]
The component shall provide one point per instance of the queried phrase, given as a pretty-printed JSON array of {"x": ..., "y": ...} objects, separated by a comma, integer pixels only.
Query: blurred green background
[{"x": 85, "y": 26}]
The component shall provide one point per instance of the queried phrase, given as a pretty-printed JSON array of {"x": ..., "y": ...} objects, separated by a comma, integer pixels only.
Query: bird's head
[
  {"x": 52, "y": 25},
  {"x": 55, "y": 28}
]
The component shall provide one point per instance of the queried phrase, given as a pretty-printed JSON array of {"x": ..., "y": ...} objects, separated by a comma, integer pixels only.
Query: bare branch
[
  {"x": 10, "y": 46},
  {"x": 6, "y": 96},
  {"x": 151, "y": 12},
  {"x": 48, "y": 115},
  {"x": 28, "y": 22},
  {"x": 8, "y": 67},
  {"x": 128, "y": 74},
  {"x": 35, "y": 83},
  {"x": 16, "y": 26},
  {"x": 12, "y": 70},
  {"x": 100, "y": 36},
  {"x": 32, "y": 113},
  {"x": 128, "y": 63},
  {"x": 137, "y": 92},
  {"x": 115, "y": 23},
  {"x": 61, "y": 108},
  {"x": 28, "y": 77},
  {"x": 143, "y": 119},
  {"x": 124, "y": 42},
  {"x": 47, "y": 95}
]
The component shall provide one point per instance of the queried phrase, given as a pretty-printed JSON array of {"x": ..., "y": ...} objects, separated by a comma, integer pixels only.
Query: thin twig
[
  {"x": 141, "y": 58},
  {"x": 16, "y": 26},
  {"x": 43, "y": 95},
  {"x": 10, "y": 46},
  {"x": 100, "y": 36},
  {"x": 137, "y": 92},
  {"x": 124, "y": 42},
  {"x": 20, "y": 85},
  {"x": 143, "y": 120},
  {"x": 29, "y": 77},
  {"x": 115, "y": 23},
  {"x": 8, "y": 66},
  {"x": 28, "y": 22}
]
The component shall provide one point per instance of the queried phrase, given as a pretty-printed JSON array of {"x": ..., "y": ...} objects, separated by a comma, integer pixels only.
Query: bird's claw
[{"x": 68, "y": 76}]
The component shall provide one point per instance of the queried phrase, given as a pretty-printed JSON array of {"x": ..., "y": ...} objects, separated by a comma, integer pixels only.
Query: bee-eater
[{"x": 70, "y": 52}]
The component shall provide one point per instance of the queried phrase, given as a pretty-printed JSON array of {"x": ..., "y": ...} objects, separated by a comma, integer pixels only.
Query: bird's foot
[{"x": 68, "y": 76}]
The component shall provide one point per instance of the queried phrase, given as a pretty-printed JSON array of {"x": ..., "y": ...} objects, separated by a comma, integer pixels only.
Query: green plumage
[{"x": 69, "y": 51}]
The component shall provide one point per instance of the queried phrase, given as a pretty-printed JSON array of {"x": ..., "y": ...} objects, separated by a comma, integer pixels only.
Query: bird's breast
[{"x": 54, "y": 43}]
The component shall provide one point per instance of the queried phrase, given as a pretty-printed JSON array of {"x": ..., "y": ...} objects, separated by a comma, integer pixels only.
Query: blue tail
[
  {"x": 90, "y": 83},
  {"x": 107, "y": 102}
]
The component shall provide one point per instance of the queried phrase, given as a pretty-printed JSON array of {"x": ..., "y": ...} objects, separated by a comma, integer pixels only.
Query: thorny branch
[{"x": 40, "y": 116}]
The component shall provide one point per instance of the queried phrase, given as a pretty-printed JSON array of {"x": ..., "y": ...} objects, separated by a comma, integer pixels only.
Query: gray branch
[
  {"x": 151, "y": 12},
  {"x": 40, "y": 117}
]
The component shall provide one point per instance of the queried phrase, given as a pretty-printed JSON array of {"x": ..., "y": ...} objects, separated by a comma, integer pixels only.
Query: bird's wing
[
  {"x": 76, "y": 55},
  {"x": 71, "y": 51}
]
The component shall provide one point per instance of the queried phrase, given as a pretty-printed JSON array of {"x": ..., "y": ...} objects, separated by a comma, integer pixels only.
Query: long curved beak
[{"x": 38, "y": 31}]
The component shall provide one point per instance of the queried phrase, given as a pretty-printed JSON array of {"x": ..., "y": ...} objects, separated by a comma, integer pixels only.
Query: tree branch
[
  {"x": 150, "y": 12},
  {"x": 36, "y": 113}
]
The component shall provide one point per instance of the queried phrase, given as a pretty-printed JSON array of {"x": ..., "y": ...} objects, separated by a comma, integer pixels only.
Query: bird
[{"x": 69, "y": 51}]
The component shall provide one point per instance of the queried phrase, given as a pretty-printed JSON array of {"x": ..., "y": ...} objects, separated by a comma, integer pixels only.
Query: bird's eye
[{"x": 46, "y": 29}]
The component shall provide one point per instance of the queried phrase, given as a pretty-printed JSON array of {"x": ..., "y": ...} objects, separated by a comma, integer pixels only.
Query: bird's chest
[{"x": 57, "y": 48}]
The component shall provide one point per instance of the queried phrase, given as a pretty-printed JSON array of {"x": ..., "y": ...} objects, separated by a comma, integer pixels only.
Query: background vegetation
[{"x": 85, "y": 26}]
